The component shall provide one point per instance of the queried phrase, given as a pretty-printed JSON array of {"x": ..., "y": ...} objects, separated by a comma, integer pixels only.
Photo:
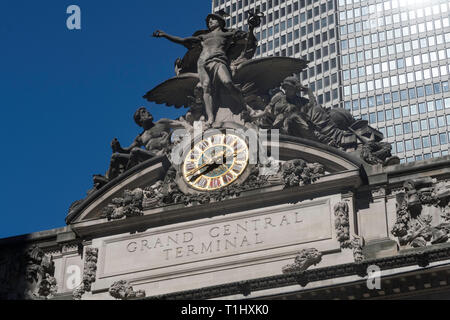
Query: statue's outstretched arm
[
  {"x": 183, "y": 41},
  {"x": 172, "y": 124}
]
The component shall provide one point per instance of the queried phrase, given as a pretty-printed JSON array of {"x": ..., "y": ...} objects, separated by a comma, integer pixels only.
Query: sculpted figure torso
[
  {"x": 213, "y": 66},
  {"x": 154, "y": 139},
  {"x": 215, "y": 44}
]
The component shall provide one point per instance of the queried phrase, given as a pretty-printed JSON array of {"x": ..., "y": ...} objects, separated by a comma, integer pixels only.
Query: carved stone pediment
[{"x": 154, "y": 184}]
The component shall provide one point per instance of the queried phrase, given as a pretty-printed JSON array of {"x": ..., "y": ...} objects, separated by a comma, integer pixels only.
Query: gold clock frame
[{"x": 232, "y": 144}]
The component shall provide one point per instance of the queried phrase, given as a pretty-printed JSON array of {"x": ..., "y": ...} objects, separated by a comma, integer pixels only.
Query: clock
[{"x": 215, "y": 162}]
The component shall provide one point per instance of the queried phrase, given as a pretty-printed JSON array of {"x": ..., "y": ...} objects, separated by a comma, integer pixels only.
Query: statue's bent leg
[
  {"x": 118, "y": 160},
  {"x": 138, "y": 155}
]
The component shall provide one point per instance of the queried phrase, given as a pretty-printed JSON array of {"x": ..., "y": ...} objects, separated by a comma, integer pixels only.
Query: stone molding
[
  {"x": 122, "y": 290},
  {"x": 305, "y": 259},
  {"x": 420, "y": 257}
]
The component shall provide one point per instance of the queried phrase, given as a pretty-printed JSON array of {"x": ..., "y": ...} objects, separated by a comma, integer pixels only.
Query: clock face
[{"x": 215, "y": 162}]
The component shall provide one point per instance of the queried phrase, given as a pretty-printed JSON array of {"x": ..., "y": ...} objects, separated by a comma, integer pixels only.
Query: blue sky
[{"x": 64, "y": 95}]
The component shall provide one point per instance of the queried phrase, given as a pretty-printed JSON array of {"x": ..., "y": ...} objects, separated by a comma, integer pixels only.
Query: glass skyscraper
[{"x": 386, "y": 61}]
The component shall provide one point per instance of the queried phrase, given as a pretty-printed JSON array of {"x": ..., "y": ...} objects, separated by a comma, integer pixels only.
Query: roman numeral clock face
[{"x": 215, "y": 162}]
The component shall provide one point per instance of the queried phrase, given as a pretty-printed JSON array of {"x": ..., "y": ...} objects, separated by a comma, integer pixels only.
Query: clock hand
[
  {"x": 190, "y": 173},
  {"x": 210, "y": 168},
  {"x": 212, "y": 161}
]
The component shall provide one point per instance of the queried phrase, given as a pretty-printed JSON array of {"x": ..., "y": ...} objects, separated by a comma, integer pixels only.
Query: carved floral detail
[
  {"x": 298, "y": 172},
  {"x": 173, "y": 194},
  {"x": 166, "y": 192},
  {"x": 305, "y": 259},
  {"x": 130, "y": 205},
  {"x": 357, "y": 244},
  {"x": 27, "y": 275},
  {"x": 342, "y": 224},
  {"x": 414, "y": 228},
  {"x": 124, "y": 291},
  {"x": 378, "y": 192},
  {"x": 89, "y": 273}
]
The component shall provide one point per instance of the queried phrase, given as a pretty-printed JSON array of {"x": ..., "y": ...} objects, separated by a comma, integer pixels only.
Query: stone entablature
[{"x": 361, "y": 221}]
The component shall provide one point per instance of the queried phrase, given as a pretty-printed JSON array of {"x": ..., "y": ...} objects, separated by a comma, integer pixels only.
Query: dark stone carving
[
  {"x": 377, "y": 152},
  {"x": 342, "y": 224},
  {"x": 196, "y": 108},
  {"x": 305, "y": 259},
  {"x": 254, "y": 181},
  {"x": 297, "y": 116},
  {"x": 219, "y": 81},
  {"x": 122, "y": 290},
  {"x": 128, "y": 206},
  {"x": 412, "y": 226},
  {"x": 27, "y": 274},
  {"x": 298, "y": 172},
  {"x": 301, "y": 117},
  {"x": 213, "y": 68},
  {"x": 245, "y": 288},
  {"x": 155, "y": 139},
  {"x": 400, "y": 228},
  {"x": 167, "y": 192},
  {"x": 361, "y": 269},
  {"x": 357, "y": 244},
  {"x": 219, "y": 60},
  {"x": 302, "y": 279},
  {"x": 89, "y": 273},
  {"x": 423, "y": 260},
  {"x": 39, "y": 274}
]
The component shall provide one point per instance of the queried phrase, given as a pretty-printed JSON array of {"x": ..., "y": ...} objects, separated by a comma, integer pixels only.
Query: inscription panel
[{"x": 210, "y": 240}]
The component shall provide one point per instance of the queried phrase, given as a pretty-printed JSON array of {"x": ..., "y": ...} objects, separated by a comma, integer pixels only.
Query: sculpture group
[{"x": 219, "y": 81}]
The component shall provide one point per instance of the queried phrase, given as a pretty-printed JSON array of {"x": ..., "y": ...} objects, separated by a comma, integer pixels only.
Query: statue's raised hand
[
  {"x": 254, "y": 19},
  {"x": 158, "y": 34},
  {"x": 115, "y": 145}
]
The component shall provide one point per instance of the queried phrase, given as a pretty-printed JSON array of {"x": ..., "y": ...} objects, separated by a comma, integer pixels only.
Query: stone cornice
[{"x": 420, "y": 257}]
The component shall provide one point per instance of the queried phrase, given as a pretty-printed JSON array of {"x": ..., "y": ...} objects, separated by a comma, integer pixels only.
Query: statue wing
[
  {"x": 189, "y": 61},
  {"x": 175, "y": 91},
  {"x": 268, "y": 73}
]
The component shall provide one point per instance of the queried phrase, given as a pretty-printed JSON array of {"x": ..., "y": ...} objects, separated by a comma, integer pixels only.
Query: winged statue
[
  {"x": 250, "y": 76},
  {"x": 219, "y": 61},
  {"x": 220, "y": 82}
]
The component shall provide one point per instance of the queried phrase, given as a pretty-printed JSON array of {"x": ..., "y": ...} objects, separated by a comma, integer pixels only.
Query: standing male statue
[{"x": 213, "y": 65}]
